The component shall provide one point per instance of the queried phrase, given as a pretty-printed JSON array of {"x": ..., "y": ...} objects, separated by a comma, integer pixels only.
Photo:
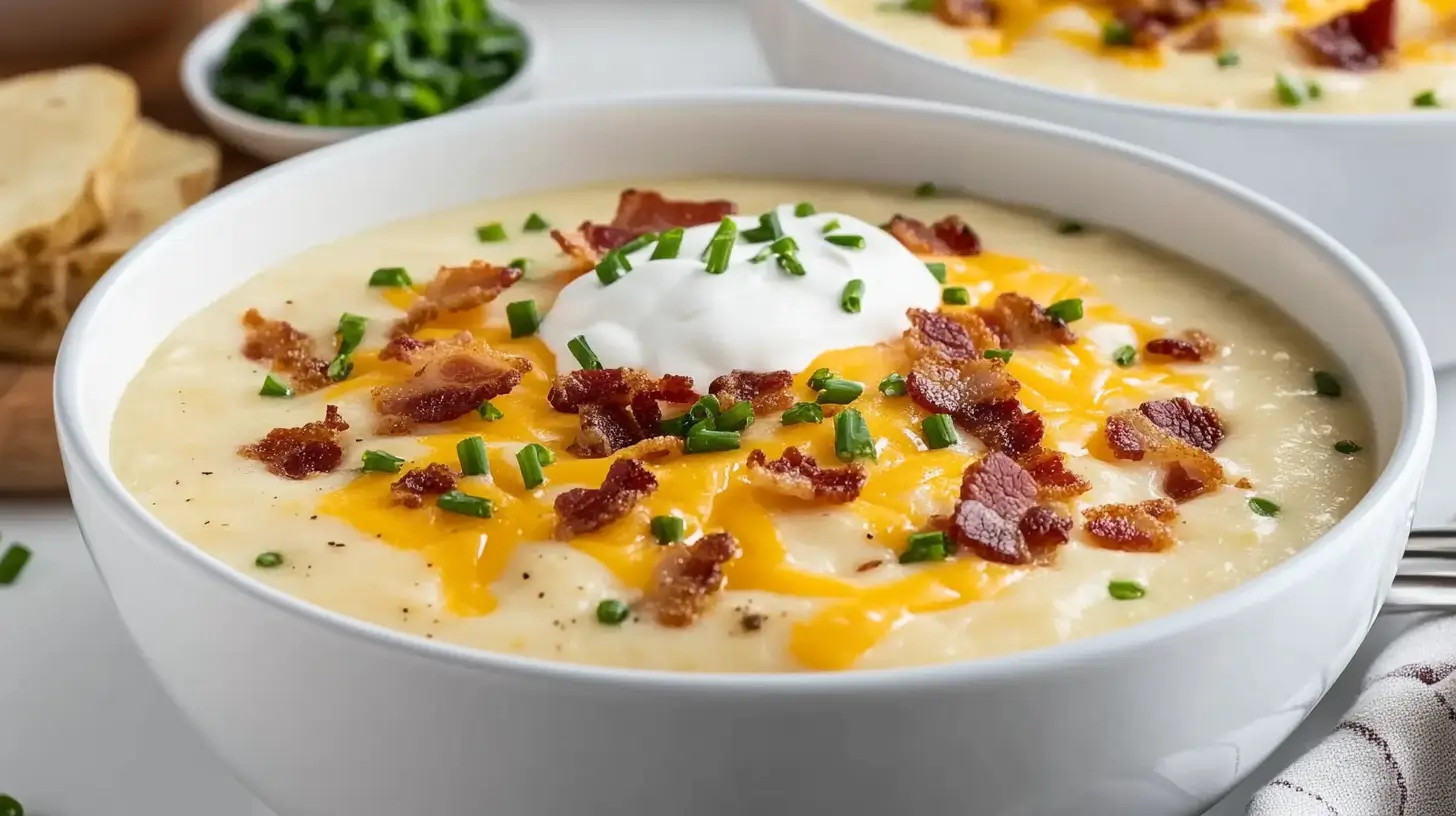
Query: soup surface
[
  {"x": 1316, "y": 56},
  {"x": 1071, "y": 433}
]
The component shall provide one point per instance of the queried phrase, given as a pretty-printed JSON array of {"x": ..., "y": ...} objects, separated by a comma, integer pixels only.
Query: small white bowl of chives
[{"x": 356, "y": 102}]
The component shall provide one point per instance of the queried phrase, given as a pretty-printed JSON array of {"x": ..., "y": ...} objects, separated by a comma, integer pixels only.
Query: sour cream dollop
[{"x": 670, "y": 316}]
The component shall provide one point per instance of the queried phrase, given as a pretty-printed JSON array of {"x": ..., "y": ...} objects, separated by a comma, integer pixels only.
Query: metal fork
[{"x": 1426, "y": 579}]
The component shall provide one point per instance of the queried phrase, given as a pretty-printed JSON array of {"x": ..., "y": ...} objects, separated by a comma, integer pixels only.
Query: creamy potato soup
[
  {"x": 1329, "y": 56},
  {"x": 743, "y": 425}
]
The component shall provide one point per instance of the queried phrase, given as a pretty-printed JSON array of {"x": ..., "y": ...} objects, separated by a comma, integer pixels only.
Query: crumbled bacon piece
[
  {"x": 1141, "y": 527},
  {"x": 1191, "y": 346},
  {"x": 604, "y": 429},
  {"x": 959, "y": 335},
  {"x": 402, "y": 347},
  {"x": 653, "y": 449},
  {"x": 584, "y": 510},
  {"x": 578, "y": 248},
  {"x": 794, "y": 474},
  {"x": 453, "y": 380},
  {"x": 966, "y": 13},
  {"x": 295, "y": 453},
  {"x": 1359, "y": 40},
  {"x": 1195, "y": 424},
  {"x": 1204, "y": 37},
  {"x": 687, "y": 576},
  {"x": 948, "y": 236},
  {"x": 769, "y": 391},
  {"x": 456, "y": 289},
  {"x": 1020, "y": 322},
  {"x": 433, "y": 479},
  {"x": 638, "y": 212},
  {"x": 1152, "y": 20},
  {"x": 1176, "y": 433},
  {"x": 1056, "y": 480},
  {"x": 956, "y": 234},
  {"x": 290, "y": 350},
  {"x": 981, "y": 397},
  {"x": 994, "y": 517},
  {"x": 618, "y": 406},
  {"x": 1044, "y": 529}
]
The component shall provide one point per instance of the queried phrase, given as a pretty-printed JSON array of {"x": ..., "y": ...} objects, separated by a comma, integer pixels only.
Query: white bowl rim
[
  {"x": 199, "y": 62},
  {"x": 1418, "y": 424},
  {"x": 1426, "y": 117}
]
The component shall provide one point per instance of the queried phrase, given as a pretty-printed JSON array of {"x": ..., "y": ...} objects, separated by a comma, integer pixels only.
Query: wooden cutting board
[{"x": 27, "y": 426}]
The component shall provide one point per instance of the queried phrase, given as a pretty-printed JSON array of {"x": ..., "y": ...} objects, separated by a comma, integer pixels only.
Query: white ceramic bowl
[
  {"x": 272, "y": 140},
  {"x": 1382, "y": 184},
  {"x": 321, "y": 714}
]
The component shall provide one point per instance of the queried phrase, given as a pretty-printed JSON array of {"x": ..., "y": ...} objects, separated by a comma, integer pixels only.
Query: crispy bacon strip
[
  {"x": 1359, "y": 40},
  {"x": 290, "y": 350},
  {"x": 295, "y": 453},
  {"x": 797, "y": 475},
  {"x": 638, "y": 212},
  {"x": 403, "y": 348},
  {"x": 1141, "y": 527},
  {"x": 957, "y": 335},
  {"x": 981, "y": 397},
  {"x": 433, "y": 479},
  {"x": 453, "y": 380},
  {"x": 948, "y": 236},
  {"x": 769, "y": 391},
  {"x": 1177, "y": 434},
  {"x": 584, "y": 510},
  {"x": 618, "y": 406},
  {"x": 687, "y": 577},
  {"x": 1191, "y": 346},
  {"x": 998, "y": 517},
  {"x": 1020, "y": 322},
  {"x": 456, "y": 289},
  {"x": 1056, "y": 481},
  {"x": 967, "y": 13}
]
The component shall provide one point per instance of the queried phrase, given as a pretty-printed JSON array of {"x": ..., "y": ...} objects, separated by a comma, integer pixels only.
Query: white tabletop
[{"x": 86, "y": 731}]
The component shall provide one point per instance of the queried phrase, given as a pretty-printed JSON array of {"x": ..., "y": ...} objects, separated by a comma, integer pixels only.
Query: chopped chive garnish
[
  {"x": 519, "y": 263},
  {"x": 10, "y": 806},
  {"x": 852, "y": 298},
  {"x": 15, "y": 558},
  {"x": 720, "y": 248},
  {"x": 1070, "y": 227},
  {"x": 340, "y": 368},
  {"x": 464, "y": 504},
  {"x": 702, "y": 439},
  {"x": 1066, "y": 310},
  {"x": 523, "y": 317},
  {"x": 528, "y": 459},
  {"x": 535, "y": 223},
  {"x": 268, "y": 560},
  {"x": 803, "y": 412},
  {"x": 1326, "y": 385},
  {"x": 821, "y": 376},
  {"x": 706, "y": 407},
  {"x": 350, "y": 332},
  {"x": 784, "y": 246},
  {"x": 762, "y": 255},
  {"x": 737, "y": 418},
  {"x": 637, "y": 243},
  {"x": 1124, "y": 356},
  {"x": 939, "y": 431},
  {"x": 274, "y": 387},
  {"x": 543, "y": 453},
  {"x": 473, "y": 461},
  {"x": 831, "y": 226},
  {"x": 611, "y": 268},
  {"x": 1004, "y": 355},
  {"x": 1287, "y": 92},
  {"x": 770, "y": 221},
  {"x": 491, "y": 233},
  {"x": 911, "y": 6},
  {"x": 955, "y": 296},
  {"x": 1227, "y": 59},
  {"x": 852, "y": 438},
  {"x": 847, "y": 241},
  {"x": 893, "y": 385},
  {"x": 1315, "y": 90},
  {"x": 1426, "y": 99},
  {"x": 585, "y": 357},
  {"x": 920, "y": 547},
  {"x": 937, "y": 270},
  {"x": 668, "y": 245},
  {"x": 677, "y": 426},
  {"x": 925, "y": 189},
  {"x": 1348, "y": 447},
  {"x": 376, "y": 461},
  {"x": 790, "y": 264},
  {"x": 390, "y": 276},
  {"x": 804, "y": 209},
  {"x": 1263, "y": 507},
  {"x": 488, "y": 412},
  {"x": 1116, "y": 33},
  {"x": 612, "y": 612},
  {"x": 667, "y": 529},
  {"x": 840, "y": 392},
  {"x": 1125, "y": 590}
]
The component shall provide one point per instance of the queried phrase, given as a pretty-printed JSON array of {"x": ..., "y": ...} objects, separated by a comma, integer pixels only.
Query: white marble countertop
[{"x": 86, "y": 731}]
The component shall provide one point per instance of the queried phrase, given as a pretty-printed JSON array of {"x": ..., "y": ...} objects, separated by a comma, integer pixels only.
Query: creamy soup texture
[
  {"x": 1238, "y": 54},
  {"x": 811, "y": 584}
]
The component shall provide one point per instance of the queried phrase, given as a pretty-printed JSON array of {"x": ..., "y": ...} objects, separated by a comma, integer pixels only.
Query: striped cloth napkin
[{"x": 1394, "y": 754}]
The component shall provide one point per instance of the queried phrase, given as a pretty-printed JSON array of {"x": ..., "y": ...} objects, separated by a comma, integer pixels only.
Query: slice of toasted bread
[{"x": 64, "y": 136}]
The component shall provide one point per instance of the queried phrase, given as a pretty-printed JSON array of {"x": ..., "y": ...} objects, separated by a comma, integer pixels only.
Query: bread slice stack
[{"x": 83, "y": 179}]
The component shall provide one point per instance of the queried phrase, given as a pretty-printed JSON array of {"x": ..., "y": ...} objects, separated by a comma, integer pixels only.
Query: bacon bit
[
  {"x": 1203, "y": 37},
  {"x": 1152, "y": 20},
  {"x": 959, "y": 335},
  {"x": 638, "y": 212},
  {"x": 1176, "y": 433},
  {"x": 870, "y": 565},
  {"x": 653, "y": 449},
  {"x": 607, "y": 428},
  {"x": 967, "y": 13},
  {"x": 1244, "y": 484},
  {"x": 1141, "y": 527},
  {"x": 687, "y": 576},
  {"x": 453, "y": 381},
  {"x": 1044, "y": 530},
  {"x": 584, "y": 510},
  {"x": 1005, "y": 426},
  {"x": 618, "y": 406},
  {"x": 981, "y": 396},
  {"x": 456, "y": 289},
  {"x": 956, "y": 234},
  {"x": 431, "y": 480},
  {"x": 1191, "y": 346},
  {"x": 402, "y": 347},
  {"x": 295, "y": 453},
  {"x": 993, "y": 519},
  {"x": 794, "y": 474},
  {"x": 577, "y": 247},
  {"x": 1056, "y": 480},
  {"x": 1356, "y": 41},
  {"x": 1021, "y": 322},
  {"x": 769, "y": 391},
  {"x": 949, "y": 236},
  {"x": 290, "y": 350},
  {"x": 1195, "y": 424}
]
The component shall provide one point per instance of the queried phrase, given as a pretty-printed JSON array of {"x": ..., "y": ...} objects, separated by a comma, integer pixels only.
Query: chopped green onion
[
  {"x": 840, "y": 392},
  {"x": 762, "y": 255},
  {"x": 1066, "y": 310},
  {"x": 491, "y": 233},
  {"x": 340, "y": 368},
  {"x": 768, "y": 229},
  {"x": 519, "y": 263},
  {"x": 707, "y": 407},
  {"x": 819, "y": 377},
  {"x": 790, "y": 264},
  {"x": 1348, "y": 447},
  {"x": 611, "y": 268},
  {"x": 925, "y": 189},
  {"x": 1227, "y": 59},
  {"x": 1125, "y": 590},
  {"x": 543, "y": 453},
  {"x": 15, "y": 558},
  {"x": 464, "y": 504},
  {"x": 920, "y": 547},
  {"x": 720, "y": 247},
  {"x": 377, "y": 461},
  {"x": 1289, "y": 94},
  {"x": 831, "y": 226},
  {"x": 274, "y": 387},
  {"x": 939, "y": 431},
  {"x": 668, "y": 245},
  {"x": 528, "y": 459},
  {"x": 1263, "y": 507},
  {"x": 535, "y": 223},
  {"x": 637, "y": 243},
  {"x": 893, "y": 385},
  {"x": 1070, "y": 227},
  {"x": 10, "y": 806},
  {"x": 677, "y": 426},
  {"x": 1116, "y": 33},
  {"x": 852, "y": 438},
  {"x": 523, "y": 317},
  {"x": 390, "y": 276},
  {"x": 847, "y": 241},
  {"x": 911, "y": 6},
  {"x": 268, "y": 560},
  {"x": 737, "y": 418},
  {"x": 703, "y": 439},
  {"x": 803, "y": 412},
  {"x": 612, "y": 612},
  {"x": 1124, "y": 356},
  {"x": 1315, "y": 90},
  {"x": 585, "y": 357},
  {"x": 350, "y": 332},
  {"x": 937, "y": 270},
  {"x": 804, "y": 209},
  {"x": 852, "y": 298},
  {"x": 1426, "y": 99},
  {"x": 784, "y": 246},
  {"x": 667, "y": 529},
  {"x": 489, "y": 412},
  {"x": 473, "y": 461},
  {"x": 1004, "y": 355},
  {"x": 955, "y": 296},
  {"x": 1326, "y": 385}
]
